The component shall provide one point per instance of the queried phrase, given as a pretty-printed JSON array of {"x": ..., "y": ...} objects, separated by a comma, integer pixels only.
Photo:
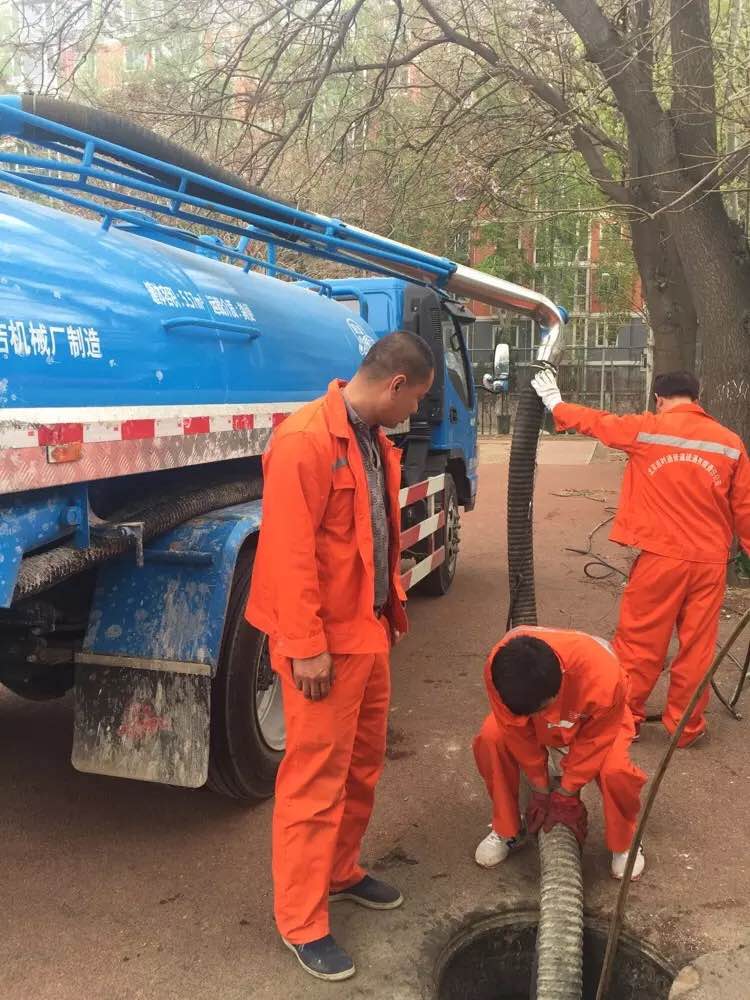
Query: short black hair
[
  {"x": 526, "y": 673},
  {"x": 400, "y": 353},
  {"x": 677, "y": 384}
]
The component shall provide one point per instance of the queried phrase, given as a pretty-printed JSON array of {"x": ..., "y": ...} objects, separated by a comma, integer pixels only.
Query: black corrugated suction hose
[
  {"x": 558, "y": 973},
  {"x": 521, "y": 470},
  {"x": 158, "y": 516}
]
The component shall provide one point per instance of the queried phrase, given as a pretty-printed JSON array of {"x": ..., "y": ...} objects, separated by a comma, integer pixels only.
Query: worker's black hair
[
  {"x": 677, "y": 384},
  {"x": 400, "y": 353},
  {"x": 526, "y": 673}
]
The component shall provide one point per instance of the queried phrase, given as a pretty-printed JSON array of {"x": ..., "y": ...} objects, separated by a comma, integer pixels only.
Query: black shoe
[
  {"x": 323, "y": 959},
  {"x": 370, "y": 892}
]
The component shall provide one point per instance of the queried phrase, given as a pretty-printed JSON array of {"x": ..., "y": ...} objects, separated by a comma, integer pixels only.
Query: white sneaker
[
  {"x": 619, "y": 860},
  {"x": 494, "y": 849}
]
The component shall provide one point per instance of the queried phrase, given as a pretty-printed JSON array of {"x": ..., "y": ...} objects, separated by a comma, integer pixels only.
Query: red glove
[
  {"x": 570, "y": 811},
  {"x": 536, "y": 811}
]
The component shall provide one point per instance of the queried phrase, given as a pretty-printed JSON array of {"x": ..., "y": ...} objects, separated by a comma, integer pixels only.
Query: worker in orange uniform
[
  {"x": 556, "y": 688},
  {"x": 326, "y": 588},
  {"x": 685, "y": 493}
]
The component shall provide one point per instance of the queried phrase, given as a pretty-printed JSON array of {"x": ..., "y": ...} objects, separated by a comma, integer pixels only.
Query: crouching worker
[{"x": 555, "y": 688}]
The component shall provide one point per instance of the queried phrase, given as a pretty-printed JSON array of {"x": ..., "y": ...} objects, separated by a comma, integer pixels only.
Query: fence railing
[{"x": 614, "y": 380}]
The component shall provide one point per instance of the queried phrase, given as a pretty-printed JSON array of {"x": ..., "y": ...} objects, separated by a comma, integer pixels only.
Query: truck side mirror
[
  {"x": 502, "y": 362},
  {"x": 500, "y": 380}
]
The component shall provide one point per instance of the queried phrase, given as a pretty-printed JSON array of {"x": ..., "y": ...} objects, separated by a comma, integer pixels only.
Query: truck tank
[{"x": 105, "y": 335}]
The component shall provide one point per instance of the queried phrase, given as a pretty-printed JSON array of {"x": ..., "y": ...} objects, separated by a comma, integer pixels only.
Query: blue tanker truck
[{"x": 152, "y": 334}]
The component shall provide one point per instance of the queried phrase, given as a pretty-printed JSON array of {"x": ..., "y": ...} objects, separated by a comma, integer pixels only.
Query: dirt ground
[{"x": 114, "y": 890}]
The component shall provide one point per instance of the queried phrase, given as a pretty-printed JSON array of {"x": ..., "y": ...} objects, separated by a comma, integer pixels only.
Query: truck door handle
[
  {"x": 199, "y": 323},
  {"x": 453, "y": 415}
]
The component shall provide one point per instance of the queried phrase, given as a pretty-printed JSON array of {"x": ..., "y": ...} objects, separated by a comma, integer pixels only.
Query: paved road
[{"x": 114, "y": 890}]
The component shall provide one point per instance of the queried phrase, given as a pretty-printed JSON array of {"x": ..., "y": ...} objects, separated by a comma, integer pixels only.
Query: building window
[
  {"x": 136, "y": 60},
  {"x": 580, "y": 303},
  {"x": 578, "y": 332},
  {"x": 522, "y": 335},
  {"x": 606, "y": 333}
]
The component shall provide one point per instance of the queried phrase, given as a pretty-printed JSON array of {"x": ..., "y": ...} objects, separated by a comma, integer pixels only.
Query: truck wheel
[
  {"x": 40, "y": 683},
  {"x": 440, "y": 580},
  {"x": 247, "y": 720}
]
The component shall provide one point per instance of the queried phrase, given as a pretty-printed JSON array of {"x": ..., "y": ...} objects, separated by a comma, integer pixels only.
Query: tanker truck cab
[
  {"x": 441, "y": 439},
  {"x": 149, "y": 345},
  {"x": 442, "y": 435}
]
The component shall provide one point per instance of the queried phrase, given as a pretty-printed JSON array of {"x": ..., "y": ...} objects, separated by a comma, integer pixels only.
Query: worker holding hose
[
  {"x": 556, "y": 688},
  {"x": 326, "y": 588},
  {"x": 685, "y": 494}
]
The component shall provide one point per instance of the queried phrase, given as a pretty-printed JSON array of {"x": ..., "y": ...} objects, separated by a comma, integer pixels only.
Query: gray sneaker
[
  {"x": 323, "y": 959},
  {"x": 370, "y": 892}
]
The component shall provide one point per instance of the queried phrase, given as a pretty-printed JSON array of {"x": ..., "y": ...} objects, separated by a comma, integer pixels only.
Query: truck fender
[{"x": 143, "y": 677}]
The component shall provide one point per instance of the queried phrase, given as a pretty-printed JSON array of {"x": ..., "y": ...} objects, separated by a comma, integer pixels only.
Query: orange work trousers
[
  {"x": 619, "y": 780},
  {"x": 325, "y": 789},
  {"x": 663, "y": 593}
]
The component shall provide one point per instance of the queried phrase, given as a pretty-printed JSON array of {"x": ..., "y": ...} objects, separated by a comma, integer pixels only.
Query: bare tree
[
  {"x": 464, "y": 105},
  {"x": 630, "y": 87}
]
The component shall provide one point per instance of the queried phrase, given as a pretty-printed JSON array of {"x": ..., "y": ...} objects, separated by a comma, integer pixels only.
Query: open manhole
[{"x": 492, "y": 960}]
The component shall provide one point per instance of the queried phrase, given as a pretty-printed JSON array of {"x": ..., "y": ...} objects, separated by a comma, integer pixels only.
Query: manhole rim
[{"x": 528, "y": 918}]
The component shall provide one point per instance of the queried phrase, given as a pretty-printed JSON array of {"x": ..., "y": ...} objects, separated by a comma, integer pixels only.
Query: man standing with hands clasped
[
  {"x": 326, "y": 589},
  {"x": 685, "y": 494}
]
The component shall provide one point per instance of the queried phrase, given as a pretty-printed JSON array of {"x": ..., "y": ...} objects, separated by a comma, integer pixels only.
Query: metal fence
[{"x": 613, "y": 380}]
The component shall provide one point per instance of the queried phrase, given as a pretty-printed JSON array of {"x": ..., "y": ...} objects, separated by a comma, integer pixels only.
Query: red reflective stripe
[
  {"x": 430, "y": 562},
  {"x": 243, "y": 422},
  {"x": 130, "y": 430},
  {"x": 412, "y": 535},
  {"x": 278, "y": 418},
  {"x": 196, "y": 425},
  {"x": 418, "y": 492},
  {"x": 60, "y": 434}
]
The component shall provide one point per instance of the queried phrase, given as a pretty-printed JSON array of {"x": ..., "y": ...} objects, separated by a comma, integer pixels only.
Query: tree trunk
[
  {"x": 671, "y": 310},
  {"x": 676, "y": 152},
  {"x": 718, "y": 272},
  {"x": 668, "y": 296}
]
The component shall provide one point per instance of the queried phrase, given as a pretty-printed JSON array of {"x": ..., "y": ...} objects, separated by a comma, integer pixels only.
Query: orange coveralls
[
  {"x": 312, "y": 590},
  {"x": 590, "y": 715},
  {"x": 685, "y": 493}
]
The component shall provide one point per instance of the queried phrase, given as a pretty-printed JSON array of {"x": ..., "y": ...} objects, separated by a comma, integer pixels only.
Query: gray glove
[{"x": 545, "y": 386}]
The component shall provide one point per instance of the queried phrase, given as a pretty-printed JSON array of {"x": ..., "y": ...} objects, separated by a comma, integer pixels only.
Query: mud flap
[{"x": 144, "y": 724}]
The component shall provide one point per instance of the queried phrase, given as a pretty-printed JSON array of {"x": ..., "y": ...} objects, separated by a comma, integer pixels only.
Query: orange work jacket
[
  {"x": 686, "y": 488},
  {"x": 313, "y": 581},
  {"x": 587, "y": 714}
]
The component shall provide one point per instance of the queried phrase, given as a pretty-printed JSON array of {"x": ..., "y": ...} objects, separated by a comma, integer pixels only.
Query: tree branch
[{"x": 694, "y": 92}]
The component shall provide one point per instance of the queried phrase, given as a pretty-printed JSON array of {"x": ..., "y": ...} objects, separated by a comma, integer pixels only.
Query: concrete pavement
[{"x": 114, "y": 890}]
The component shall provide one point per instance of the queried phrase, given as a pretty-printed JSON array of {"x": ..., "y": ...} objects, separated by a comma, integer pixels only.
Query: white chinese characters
[{"x": 37, "y": 339}]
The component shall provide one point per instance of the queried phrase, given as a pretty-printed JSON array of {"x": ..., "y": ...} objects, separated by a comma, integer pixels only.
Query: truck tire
[
  {"x": 41, "y": 683},
  {"x": 247, "y": 721},
  {"x": 440, "y": 580}
]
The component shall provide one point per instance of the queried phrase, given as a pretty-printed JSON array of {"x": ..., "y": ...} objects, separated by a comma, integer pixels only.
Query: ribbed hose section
[
  {"x": 559, "y": 947},
  {"x": 559, "y": 944},
  {"x": 528, "y": 422},
  {"x": 45, "y": 570}
]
